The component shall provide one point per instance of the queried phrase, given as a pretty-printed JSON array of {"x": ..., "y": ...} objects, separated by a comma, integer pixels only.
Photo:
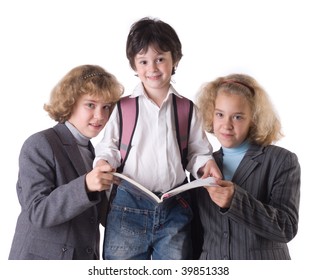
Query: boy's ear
[{"x": 174, "y": 68}]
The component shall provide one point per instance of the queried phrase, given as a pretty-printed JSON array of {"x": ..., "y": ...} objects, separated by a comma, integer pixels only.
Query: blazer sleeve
[
  {"x": 277, "y": 217},
  {"x": 40, "y": 195}
]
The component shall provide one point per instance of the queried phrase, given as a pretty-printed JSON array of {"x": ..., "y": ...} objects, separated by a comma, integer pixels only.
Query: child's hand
[
  {"x": 101, "y": 162},
  {"x": 210, "y": 169},
  {"x": 223, "y": 194},
  {"x": 99, "y": 178}
]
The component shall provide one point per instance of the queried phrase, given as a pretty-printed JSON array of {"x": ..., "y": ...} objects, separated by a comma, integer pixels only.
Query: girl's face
[
  {"x": 89, "y": 115},
  {"x": 232, "y": 119},
  {"x": 154, "y": 69}
]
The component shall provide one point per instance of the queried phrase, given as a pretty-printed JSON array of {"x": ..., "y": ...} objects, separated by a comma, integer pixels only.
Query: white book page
[{"x": 207, "y": 182}]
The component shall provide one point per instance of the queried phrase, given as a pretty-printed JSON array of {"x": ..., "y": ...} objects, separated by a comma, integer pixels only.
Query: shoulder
[
  {"x": 34, "y": 147},
  {"x": 128, "y": 99},
  {"x": 277, "y": 151},
  {"x": 275, "y": 155},
  {"x": 48, "y": 137},
  {"x": 272, "y": 150},
  {"x": 38, "y": 137},
  {"x": 183, "y": 99}
]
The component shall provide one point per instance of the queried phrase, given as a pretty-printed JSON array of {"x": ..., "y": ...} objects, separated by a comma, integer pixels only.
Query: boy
[{"x": 137, "y": 228}]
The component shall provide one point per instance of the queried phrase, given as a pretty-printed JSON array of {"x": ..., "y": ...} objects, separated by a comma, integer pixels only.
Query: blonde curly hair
[
  {"x": 266, "y": 126},
  {"x": 84, "y": 79}
]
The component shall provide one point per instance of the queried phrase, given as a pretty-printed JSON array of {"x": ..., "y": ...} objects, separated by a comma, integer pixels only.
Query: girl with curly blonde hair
[
  {"x": 265, "y": 125},
  {"x": 253, "y": 212},
  {"x": 62, "y": 198}
]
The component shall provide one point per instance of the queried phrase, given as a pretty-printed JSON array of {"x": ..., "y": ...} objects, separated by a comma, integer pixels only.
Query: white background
[{"x": 274, "y": 41}]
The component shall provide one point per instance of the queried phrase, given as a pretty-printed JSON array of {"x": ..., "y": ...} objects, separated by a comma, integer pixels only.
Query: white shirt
[{"x": 154, "y": 159}]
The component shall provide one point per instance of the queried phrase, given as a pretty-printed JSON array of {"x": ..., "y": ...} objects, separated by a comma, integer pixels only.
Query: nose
[
  {"x": 100, "y": 114},
  {"x": 227, "y": 123},
  {"x": 152, "y": 67}
]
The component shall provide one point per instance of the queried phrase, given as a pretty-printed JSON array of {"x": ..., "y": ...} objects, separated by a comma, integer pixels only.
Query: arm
[
  {"x": 201, "y": 162},
  {"x": 108, "y": 148},
  {"x": 48, "y": 192}
]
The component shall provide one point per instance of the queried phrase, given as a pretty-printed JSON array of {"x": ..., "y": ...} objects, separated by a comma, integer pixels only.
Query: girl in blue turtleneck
[{"x": 253, "y": 212}]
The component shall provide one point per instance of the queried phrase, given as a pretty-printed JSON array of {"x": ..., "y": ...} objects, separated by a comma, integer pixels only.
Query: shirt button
[
  {"x": 64, "y": 249},
  {"x": 89, "y": 250},
  {"x": 225, "y": 234}
]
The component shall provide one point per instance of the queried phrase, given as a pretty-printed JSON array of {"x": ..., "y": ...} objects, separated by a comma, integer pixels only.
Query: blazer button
[
  {"x": 64, "y": 249},
  {"x": 89, "y": 250},
  {"x": 92, "y": 220}
]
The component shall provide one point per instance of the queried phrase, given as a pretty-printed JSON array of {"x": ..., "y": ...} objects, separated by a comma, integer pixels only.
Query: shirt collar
[{"x": 140, "y": 91}]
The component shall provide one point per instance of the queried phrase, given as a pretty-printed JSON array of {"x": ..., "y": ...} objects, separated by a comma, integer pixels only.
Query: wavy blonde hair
[
  {"x": 84, "y": 79},
  {"x": 265, "y": 128}
]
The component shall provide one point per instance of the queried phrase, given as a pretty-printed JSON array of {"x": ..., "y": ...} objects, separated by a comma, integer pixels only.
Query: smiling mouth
[
  {"x": 96, "y": 125},
  {"x": 153, "y": 77},
  {"x": 227, "y": 135}
]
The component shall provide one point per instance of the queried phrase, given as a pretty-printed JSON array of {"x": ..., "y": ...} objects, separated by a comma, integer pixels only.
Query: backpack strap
[
  {"x": 128, "y": 109},
  {"x": 183, "y": 109},
  {"x": 128, "y": 114}
]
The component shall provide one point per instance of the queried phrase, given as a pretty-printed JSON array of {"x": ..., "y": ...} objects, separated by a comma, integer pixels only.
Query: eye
[
  {"x": 90, "y": 105},
  {"x": 238, "y": 117},
  {"x": 142, "y": 62},
  {"x": 107, "y": 107},
  {"x": 159, "y": 59},
  {"x": 219, "y": 115}
]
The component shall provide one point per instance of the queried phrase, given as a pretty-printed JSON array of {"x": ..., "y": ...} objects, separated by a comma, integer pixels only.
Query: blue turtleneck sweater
[{"x": 231, "y": 159}]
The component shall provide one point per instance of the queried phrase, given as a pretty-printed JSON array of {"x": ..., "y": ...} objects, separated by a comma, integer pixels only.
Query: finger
[
  {"x": 116, "y": 181},
  {"x": 106, "y": 168}
]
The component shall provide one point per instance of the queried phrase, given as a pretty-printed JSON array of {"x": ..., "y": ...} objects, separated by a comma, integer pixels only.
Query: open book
[{"x": 208, "y": 182}]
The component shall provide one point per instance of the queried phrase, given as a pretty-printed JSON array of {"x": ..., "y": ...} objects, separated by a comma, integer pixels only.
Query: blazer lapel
[
  {"x": 247, "y": 165},
  {"x": 71, "y": 148}
]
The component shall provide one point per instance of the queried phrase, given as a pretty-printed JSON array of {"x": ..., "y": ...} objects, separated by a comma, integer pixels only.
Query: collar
[
  {"x": 241, "y": 149},
  {"x": 80, "y": 138},
  {"x": 140, "y": 91}
]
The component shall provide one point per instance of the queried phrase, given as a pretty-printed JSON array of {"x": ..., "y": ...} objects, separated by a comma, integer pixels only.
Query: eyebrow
[
  {"x": 142, "y": 55},
  {"x": 89, "y": 100},
  {"x": 138, "y": 57},
  {"x": 95, "y": 101},
  {"x": 240, "y": 113}
]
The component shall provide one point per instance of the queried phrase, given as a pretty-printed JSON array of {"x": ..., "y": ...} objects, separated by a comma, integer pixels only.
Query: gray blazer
[
  {"x": 58, "y": 219},
  {"x": 263, "y": 215}
]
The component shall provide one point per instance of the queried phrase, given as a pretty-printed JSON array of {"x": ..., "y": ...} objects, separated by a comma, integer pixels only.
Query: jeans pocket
[{"x": 129, "y": 220}]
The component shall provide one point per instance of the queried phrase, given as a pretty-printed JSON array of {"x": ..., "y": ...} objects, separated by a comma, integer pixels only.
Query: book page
[
  {"x": 208, "y": 182},
  {"x": 136, "y": 184}
]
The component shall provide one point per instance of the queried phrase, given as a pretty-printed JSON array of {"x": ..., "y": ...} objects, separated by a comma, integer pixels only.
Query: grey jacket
[
  {"x": 263, "y": 215},
  {"x": 58, "y": 219}
]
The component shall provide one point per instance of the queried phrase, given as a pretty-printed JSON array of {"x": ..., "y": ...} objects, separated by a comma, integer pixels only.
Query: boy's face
[
  {"x": 232, "y": 119},
  {"x": 154, "y": 69},
  {"x": 89, "y": 115}
]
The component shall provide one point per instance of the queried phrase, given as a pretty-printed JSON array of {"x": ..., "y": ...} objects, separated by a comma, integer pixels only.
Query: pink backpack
[{"x": 128, "y": 113}]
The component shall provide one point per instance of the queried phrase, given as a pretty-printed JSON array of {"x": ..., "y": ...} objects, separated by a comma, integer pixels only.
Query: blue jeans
[{"x": 139, "y": 229}]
